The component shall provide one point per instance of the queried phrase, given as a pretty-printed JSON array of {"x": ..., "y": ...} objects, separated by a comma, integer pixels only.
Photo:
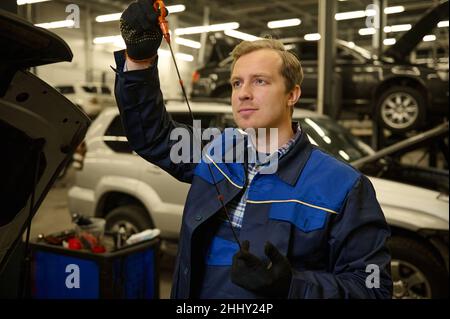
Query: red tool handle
[{"x": 160, "y": 8}]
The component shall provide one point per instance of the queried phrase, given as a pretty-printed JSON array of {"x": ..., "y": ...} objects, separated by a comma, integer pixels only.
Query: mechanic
[{"x": 312, "y": 229}]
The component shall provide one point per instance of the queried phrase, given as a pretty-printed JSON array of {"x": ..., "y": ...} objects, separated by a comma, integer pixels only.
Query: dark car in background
[{"x": 401, "y": 95}]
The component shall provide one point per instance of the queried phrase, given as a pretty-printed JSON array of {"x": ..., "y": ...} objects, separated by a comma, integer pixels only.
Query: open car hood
[
  {"x": 25, "y": 45},
  {"x": 408, "y": 41},
  {"x": 39, "y": 128}
]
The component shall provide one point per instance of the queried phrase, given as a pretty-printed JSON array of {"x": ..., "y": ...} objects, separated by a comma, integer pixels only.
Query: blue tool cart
[{"x": 127, "y": 273}]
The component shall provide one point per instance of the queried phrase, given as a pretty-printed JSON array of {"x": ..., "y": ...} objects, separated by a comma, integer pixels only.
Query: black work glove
[
  {"x": 269, "y": 279},
  {"x": 140, "y": 30}
]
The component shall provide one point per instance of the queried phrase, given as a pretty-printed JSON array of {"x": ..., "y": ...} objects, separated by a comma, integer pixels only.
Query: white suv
[
  {"x": 114, "y": 182},
  {"x": 91, "y": 97}
]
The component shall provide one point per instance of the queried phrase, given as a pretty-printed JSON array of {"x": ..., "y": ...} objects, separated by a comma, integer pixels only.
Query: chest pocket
[{"x": 306, "y": 218}]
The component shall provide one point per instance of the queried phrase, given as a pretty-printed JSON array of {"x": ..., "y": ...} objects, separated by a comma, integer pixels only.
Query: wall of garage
[{"x": 101, "y": 55}]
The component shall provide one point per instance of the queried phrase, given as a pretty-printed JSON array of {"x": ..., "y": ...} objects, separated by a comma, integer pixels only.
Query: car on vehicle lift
[
  {"x": 113, "y": 182},
  {"x": 39, "y": 132},
  {"x": 402, "y": 96}
]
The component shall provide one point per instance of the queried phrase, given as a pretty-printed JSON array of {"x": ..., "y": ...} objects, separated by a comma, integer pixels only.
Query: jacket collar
[{"x": 292, "y": 163}]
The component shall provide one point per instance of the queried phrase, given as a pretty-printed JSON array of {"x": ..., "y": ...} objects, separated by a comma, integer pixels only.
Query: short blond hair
[{"x": 291, "y": 68}]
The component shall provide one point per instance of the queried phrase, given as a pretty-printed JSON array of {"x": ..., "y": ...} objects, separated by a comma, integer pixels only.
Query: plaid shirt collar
[
  {"x": 237, "y": 206},
  {"x": 283, "y": 149}
]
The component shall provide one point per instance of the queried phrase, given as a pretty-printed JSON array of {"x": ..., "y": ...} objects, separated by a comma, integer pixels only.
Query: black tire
[
  {"x": 412, "y": 261},
  {"x": 134, "y": 218},
  {"x": 388, "y": 111}
]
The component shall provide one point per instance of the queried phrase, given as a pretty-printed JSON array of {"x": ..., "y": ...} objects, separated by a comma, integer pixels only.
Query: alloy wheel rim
[
  {"x": 399, "y": 110},
  {"x": 409, "y": 281},
  {"x": 129, "y": 227}
]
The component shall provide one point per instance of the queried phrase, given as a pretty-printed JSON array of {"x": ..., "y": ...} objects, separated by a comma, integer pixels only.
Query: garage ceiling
[{"x": 253, "y": 16}]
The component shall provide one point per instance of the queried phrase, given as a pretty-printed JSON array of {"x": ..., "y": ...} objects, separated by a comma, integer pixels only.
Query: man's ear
[{"x": 294, "y": 95}]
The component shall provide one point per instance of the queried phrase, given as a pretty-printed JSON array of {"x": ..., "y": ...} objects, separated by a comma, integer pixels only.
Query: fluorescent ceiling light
[
  {"x": 207, "y": 28},
  {"x": 283, "y": 23},
  {"x": 188, "y": 43},
  {"x": 241, "y": 35},
  {"x": 108, "y": 17},
  {"x": 395, "y": 9},
  {"x": 350, "y": 15},
  {"x": 387, "y": 29},
  {"x": 56, "y": 24},
  {"x": 367, "y": 31},
  {"x": 180, "y": 56},
  {"x": 116, "y": 16},
  {"x": 22, "y": 2},
  {"x": 366, "y": 13},
  {"x": 110, "y": 39},
  {"x": 397, "y": 28},
  {"x": 312, "y": 37},
  {"x": 429, "y": 37},
  {"x": 389, "y": 41},
  {"x": 176, "y": 8},
  {"x": 117, "y": 41},
  {"x": 443, "y": 24}
]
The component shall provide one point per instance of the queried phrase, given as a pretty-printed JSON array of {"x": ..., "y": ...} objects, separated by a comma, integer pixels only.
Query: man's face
[{"x": 259, "y": 97}]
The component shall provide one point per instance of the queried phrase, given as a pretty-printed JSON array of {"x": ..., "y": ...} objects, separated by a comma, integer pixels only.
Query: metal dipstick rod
[{"x": 160, "y": 8}]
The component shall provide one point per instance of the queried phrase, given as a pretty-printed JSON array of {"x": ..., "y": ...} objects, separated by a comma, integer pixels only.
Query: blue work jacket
[{"x": 318, "y": 211}]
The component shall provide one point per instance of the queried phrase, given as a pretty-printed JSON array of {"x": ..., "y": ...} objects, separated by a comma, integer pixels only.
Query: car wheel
[
  {"x": 416, "y": 272},
  {"x": 134, "y": 218},
  {"x": 401, "y": 109}
]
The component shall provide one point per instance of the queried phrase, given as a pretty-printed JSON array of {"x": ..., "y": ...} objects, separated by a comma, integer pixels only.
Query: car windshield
[
  {"x": 363, "y": 52},
  {"x": 330, "y": 137},
  {"x": 334, "y": 139}
]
